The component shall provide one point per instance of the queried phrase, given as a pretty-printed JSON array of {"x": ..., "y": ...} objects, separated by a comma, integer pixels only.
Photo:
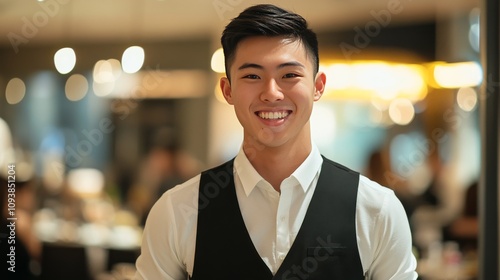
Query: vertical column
[{"x": 490, "y": 121}]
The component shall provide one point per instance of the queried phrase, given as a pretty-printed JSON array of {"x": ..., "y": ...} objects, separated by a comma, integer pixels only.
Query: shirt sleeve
[
  {"x": 159, "y": 258},
  {"x": 393, "y": 257}
]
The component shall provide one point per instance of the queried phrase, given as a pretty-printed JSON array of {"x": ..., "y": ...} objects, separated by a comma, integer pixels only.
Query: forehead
[{"x": 269, "y": 50}]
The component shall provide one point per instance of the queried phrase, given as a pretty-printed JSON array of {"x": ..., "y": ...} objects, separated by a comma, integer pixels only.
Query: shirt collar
[{"x": 304, "y": 174}]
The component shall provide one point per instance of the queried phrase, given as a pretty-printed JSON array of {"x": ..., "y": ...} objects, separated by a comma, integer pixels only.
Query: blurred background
[{"x": 104, "y": 105}]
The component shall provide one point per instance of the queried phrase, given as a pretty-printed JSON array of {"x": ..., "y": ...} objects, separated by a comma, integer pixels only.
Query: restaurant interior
[{"x": 105, "y": 105}]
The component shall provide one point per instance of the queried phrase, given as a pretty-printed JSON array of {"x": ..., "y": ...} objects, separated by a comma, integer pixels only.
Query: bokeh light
[
  {"x": 401, "y": 111},
  {"x": 76, "y": 87},
  {"x": 133, "y": 59},
  {"x": 15, "y": 91},
  {"x": 217, "y": 62},
  {"x": 65, "y": 60},
  {"x": 467, "y": 99}
]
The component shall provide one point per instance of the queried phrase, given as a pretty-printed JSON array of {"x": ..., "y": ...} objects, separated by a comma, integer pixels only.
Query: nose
[{"x": 271, "y": 92}]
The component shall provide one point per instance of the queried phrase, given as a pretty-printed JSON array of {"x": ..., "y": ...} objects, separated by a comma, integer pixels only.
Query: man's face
[{"x": 273, "y": 88}]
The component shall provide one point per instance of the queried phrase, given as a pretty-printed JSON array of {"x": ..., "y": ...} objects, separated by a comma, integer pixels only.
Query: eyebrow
[{"x": 282, "y": 65}]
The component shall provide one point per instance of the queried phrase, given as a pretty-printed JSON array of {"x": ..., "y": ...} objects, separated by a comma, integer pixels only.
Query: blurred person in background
[
  {"x": 437, "y": 205},
  {"x": 17, "y": 234},
  {"x": 378, "y": 169},
  {"x": 156, "y": 176},
  {"x": 279, "y": 209},
  {"x": 165, "y": 166},
  {"x": 465, "y": 228}
]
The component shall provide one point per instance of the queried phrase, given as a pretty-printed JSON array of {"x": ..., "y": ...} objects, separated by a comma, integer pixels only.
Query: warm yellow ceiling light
[
  {"x": 456, "y": 75},
  {"x": 379, "y": 79}
]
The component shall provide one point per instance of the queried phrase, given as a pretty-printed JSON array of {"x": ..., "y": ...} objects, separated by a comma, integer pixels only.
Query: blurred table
[
  {"x": 62, "y": 260},
  {"x": 81, "y": 251},
  {"x": 466, "y": 270}
]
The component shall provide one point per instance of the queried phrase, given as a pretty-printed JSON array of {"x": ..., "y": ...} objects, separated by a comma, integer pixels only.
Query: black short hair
[{"x": 272, "y": 21}]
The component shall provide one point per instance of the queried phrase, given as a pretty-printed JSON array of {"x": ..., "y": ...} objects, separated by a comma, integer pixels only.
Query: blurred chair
[
  {"x": 63, "y": 261},
  {"x": 119, "y": 256}
]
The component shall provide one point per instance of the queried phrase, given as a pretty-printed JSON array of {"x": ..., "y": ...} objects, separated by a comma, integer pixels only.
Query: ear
[
  {"x": 319, "y": 85},
  {"x": 225, "y": 86}
]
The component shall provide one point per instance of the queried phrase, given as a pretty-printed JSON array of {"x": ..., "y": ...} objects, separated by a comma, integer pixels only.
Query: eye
[
  {"x": 290, "y": 75},
  {"x": 251, "y": 76}
]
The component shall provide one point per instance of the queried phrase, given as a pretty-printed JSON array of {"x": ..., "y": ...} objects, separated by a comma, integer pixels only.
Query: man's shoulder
[
  {"x": 184, "y": 190},
  {"x": 374, "y": 187},
  {"x": 180, "y": 203},
  {"x": 372, "y": 196}
]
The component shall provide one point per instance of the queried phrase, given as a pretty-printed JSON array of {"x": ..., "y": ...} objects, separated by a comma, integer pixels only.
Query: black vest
[{"x": 324, "y": 248}]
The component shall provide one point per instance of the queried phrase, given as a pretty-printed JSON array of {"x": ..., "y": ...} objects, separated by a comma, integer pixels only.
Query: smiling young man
[
  {"x": 273, "y": 84},
  {"x": 278, "y": 210}
]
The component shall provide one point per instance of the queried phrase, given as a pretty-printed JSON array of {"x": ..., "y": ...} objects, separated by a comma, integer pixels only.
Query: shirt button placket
[{"x": 282, "y": 226}]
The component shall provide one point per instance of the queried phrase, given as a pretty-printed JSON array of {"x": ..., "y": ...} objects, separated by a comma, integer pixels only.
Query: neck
[{"x": 275, "y": 164}]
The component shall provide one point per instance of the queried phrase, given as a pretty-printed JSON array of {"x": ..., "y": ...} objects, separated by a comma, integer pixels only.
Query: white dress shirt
[{"x": 273, "y": 221}]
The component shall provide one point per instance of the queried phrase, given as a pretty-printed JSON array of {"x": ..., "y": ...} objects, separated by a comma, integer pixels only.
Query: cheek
[
  {"x": 243, "y": 96},
  {"x": 242, "y": 107},
  {"x": 303, "y": 103},
  {"x": 303, "y": 94}
]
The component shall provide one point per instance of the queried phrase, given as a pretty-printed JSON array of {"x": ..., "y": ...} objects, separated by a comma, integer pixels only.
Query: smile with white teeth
[{"x": 273, "y": 115}]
